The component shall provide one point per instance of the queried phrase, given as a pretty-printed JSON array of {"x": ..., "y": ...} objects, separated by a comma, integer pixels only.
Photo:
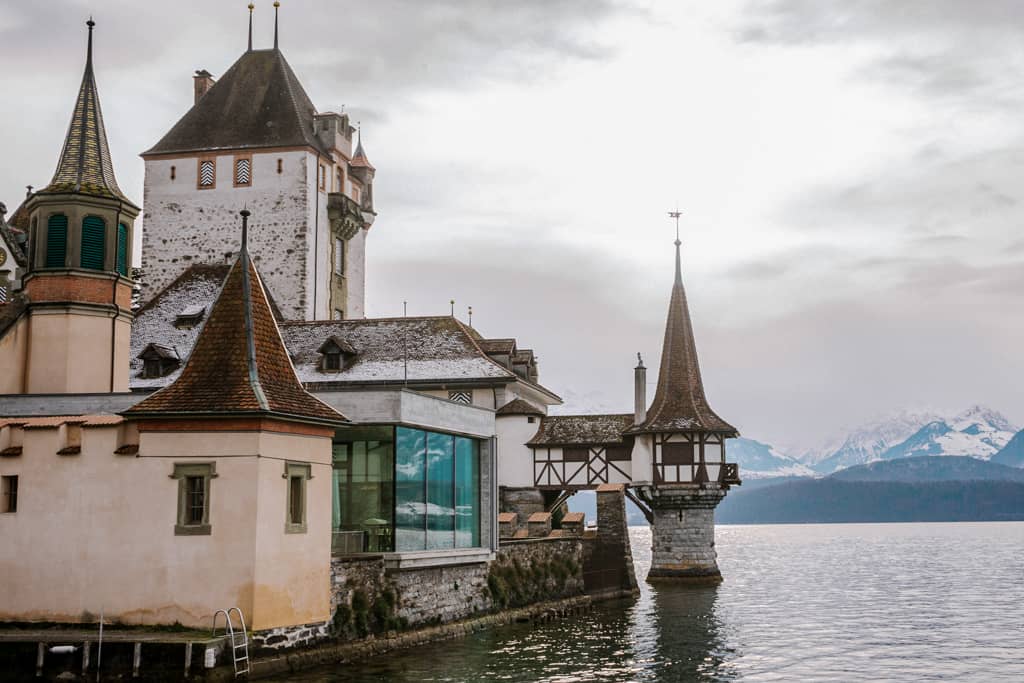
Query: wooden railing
[{"x": 730, "y": 473}]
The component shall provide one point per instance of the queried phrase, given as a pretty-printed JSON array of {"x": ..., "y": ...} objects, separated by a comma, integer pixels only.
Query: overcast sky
[{"x": 849, "y": 174}]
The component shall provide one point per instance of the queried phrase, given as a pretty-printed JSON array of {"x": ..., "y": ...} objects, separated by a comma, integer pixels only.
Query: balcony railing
[{"x": 730, "y": 473}]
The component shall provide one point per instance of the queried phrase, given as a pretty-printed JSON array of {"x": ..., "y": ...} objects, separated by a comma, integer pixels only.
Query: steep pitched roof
[
  {"x": 258, "y": 102},
  {"x": 519, "y": 407},
  {"x": 239, "y": 364},
  {"x": 359, "y": 158},
  {"x": 679, "y": 401},
  {"x": 570, "y": 430},
  {"x": 85, "y": 166}
]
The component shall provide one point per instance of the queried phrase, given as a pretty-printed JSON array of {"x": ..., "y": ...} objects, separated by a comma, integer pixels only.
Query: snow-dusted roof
[
  {"x": 431, "y": 349},
  {"x": 570, "y": 430}
]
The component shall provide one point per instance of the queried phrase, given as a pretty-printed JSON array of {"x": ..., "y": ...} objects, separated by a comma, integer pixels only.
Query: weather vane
[{"x": 676, "y": 214}]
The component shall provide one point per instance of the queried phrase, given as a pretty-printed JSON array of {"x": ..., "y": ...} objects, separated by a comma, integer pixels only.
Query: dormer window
[
  {"x": 158, "y": 361},
  {"x": 190, "y": 316},
  {"x": 336, "y": 355}
]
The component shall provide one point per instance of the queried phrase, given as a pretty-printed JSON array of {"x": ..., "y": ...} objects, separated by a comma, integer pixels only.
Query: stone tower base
[{"x": 683, "y": 533}]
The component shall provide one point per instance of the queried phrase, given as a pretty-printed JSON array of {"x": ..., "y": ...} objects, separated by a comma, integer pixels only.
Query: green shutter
[
  {"x": 56, "y": 241},
  {"x": 122, "y": 249},
  {"x": 93, "y": 241}
]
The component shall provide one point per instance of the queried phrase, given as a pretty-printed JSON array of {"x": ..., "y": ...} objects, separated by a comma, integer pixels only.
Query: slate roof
[
  {"x": 572, "y": 430},
  {"x": 519, "y": 407},
  {"x": 85, "y": 166},
  {"x": 258, "y": 102},
  {"x": 239, "y": 364},
  {"x": 505, "y": 346},
  {"x": 679, "y": 402}
]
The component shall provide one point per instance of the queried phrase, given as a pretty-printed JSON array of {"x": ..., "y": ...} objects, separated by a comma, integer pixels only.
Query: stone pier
[{"x": 683, "y": 533}]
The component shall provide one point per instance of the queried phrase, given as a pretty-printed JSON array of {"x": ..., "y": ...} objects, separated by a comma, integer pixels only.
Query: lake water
[{"x": 853, "y": 602}]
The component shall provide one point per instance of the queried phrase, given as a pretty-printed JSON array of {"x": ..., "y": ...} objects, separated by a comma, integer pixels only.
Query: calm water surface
[{"x": 856, "y": 602}]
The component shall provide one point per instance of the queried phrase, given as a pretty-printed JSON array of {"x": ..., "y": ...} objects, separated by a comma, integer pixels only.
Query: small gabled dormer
[
  {"x": 190, "y": 316},
  {"x": 336, "y": 355},
  {"x": 158, "y": 361}
]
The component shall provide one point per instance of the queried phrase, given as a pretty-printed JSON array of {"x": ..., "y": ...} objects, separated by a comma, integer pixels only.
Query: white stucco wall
[{"x": 515, "y": 460}]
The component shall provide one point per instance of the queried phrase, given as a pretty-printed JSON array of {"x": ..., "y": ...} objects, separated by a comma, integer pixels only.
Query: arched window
[
  {"x": 56, "y": 241},
  {"x": 122, "y": 249},
  {"x": 94, "y": 237}
]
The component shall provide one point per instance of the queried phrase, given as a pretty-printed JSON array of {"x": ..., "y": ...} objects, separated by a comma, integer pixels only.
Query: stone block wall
[{"x": 683, "y": 533}]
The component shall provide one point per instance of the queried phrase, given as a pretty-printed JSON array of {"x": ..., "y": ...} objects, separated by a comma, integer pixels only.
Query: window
[
  {"x": 336, "y": 354},
  {"x": 618, "y": 453},
  {"x": 531, "y": 419},
  {"x": 464, "y": 397},
  {"x": 677, "y": 453},
  {"x": 363, "y": 500},
  {"x": 355, "y": 194},
  {"x": 332, "y": 361},
  {"x": 243, "y": 171},
  {"x": 122, "y": 249},
  {"x": 322, "y": 181},
  {"x": 339, "y": 314},
  {"x": 56, "y": 241},
  {"x": 207, "y": 174},
  {"x": 3, "y": 287},
  {"x": 193, "y": 498},
  {"x": 339, "y": 256},
  {"x": 575, "y": 454},
  {"x": 280, "y": 166},
  {"x": 94, "y": 233},
  {"x": 339, "y": 181},
  {"x": 174, "y": 172},
  {"x": 296, "y": 475},
  {"x": 10, "y": 494}
]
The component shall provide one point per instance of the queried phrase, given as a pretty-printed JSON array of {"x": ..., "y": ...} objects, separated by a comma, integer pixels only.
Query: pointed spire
[
  {"x": 239, "y": 364},
  {"x": 359, "y": 158},
  {"x": 251, "y": 7},
  {"x": 277, "y": 5},
  {"x": 679, "y": 403},
  {"x": 85, "y": 165}
]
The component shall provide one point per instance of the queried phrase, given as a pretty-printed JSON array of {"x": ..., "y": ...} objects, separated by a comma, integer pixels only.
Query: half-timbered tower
[
  {"x": 680, "y": 440},
  {"x": 254, "y": 139},
  {"x": 69, "y": 331}
]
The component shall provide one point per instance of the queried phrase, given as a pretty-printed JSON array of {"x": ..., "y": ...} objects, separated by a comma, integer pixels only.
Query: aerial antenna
[
  {"x": 676, "y": 214},
  {"x": 452, "y": 303},
  {"x": 679, "y": 269},
  {"x": 251, "y": 7}
]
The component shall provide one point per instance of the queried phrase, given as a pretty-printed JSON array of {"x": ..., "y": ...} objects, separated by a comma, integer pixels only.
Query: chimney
[
  {"x": 203, "y": 81},
  {"x": 639, "y": 392}
]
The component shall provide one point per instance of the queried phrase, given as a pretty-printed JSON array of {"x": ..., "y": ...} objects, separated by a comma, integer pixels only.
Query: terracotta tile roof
[
  {"x": 519, "y": 407},
  {"x": 507, "y": 517},
  {"x": 85, "y": 165},
  {"x": 570, "y": 430},
  {"x": 679, "y": 402},
  {"x": 539, "y": 517},
  {"x": 359, "y": 158},
  {"x": 258, "y": 102},
  {"x": 573, "y": 518},
  {"x": 54, "y": 421},
  {"x": 239, "y": 364}
]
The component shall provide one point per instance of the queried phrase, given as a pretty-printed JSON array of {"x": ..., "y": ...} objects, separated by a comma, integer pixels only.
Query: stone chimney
[
  {"x": 639, "y": 392},
  {"x": 203, "y": 81}
]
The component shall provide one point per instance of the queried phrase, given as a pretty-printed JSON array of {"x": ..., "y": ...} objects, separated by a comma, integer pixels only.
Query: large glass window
[
  {"x": 363, "y": 512},
  {"x": 410, "y": 489},
  {"x": 467, "y": 493},
  {"x": 440, "y": 491}
]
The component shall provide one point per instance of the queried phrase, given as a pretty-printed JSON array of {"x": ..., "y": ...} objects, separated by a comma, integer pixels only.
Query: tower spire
[
  {"x": 276, "y": 6},
  {"x": 85, "y": 165},
  {"x": 251, "y": 7},
  {"x": 679, "y": 269}
]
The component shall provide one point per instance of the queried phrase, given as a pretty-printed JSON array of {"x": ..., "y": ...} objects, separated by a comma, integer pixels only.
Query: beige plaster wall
[
  {"x": 70, "y": 352},
  {"x": 95, "y": 532},
  {"x": 515, "y": 459},
  {"x": 12, "y": 357}
]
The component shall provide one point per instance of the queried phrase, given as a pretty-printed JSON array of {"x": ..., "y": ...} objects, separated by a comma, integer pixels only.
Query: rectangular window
[
  {"x": 243, "y": 171},
  {"x": 618, "y": 453},
  {"x": 465, "y": 397},
  {"x": 94, "y": 237},
  {"x": 56, "y": 241},
  {"x": 122, "y": 249},
  {"x": 677, "y": 453},
  {"x": 193, "y": 498},
  {"x": 296, "y": 475},
  {"x": 207, "y": 176},
  {"x": 339, "y": 256},
  {"x": 440, "y": 491},
  {"x": 3, "y": 288},
  {"x": 575, "y": 454},
  {"x": 322, "y": 180},
  {"x": 467, "y": 493},
  {"x": 10, "y": 494},
  {"x": 410, "y": 489},
  {"x": 339, "y": 314}
]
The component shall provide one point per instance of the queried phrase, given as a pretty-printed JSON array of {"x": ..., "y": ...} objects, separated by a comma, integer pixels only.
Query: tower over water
[{"x": 253, "y": 138}]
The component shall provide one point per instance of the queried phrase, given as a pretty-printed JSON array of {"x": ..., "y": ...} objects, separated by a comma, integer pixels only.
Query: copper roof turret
[{"x": 679, "y": 402}]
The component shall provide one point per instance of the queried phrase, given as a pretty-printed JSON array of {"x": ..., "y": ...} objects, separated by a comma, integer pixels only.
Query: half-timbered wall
[
  {"x": 688, "y": 458},
  {"x": 581, "y": 467}
]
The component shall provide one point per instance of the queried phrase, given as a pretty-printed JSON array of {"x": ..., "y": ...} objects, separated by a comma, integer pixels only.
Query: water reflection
[{"x": 689, "y": 644}]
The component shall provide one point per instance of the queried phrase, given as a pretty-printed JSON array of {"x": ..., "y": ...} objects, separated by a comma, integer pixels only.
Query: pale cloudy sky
[{"x": 849, "y": 174}]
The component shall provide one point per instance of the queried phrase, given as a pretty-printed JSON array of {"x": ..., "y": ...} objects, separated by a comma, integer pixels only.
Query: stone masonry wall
[
  {"x": 183, "y": 225},
  {"x": 683, "y": 533}
]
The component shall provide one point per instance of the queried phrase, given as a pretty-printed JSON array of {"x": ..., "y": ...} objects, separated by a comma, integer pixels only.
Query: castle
[{"x": 244, "y": 437}]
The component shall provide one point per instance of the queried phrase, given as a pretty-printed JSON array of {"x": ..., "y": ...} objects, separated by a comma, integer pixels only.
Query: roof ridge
[
  {"x": 289, "y": 77},
  {"x": 480, "y": 350}
]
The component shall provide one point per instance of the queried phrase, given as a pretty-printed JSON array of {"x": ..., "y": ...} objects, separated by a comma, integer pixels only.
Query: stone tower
[
  {"x": 78, "y": 318},
  {"x": 685, "y": 442},
  {"x": 254, "y": 139}
]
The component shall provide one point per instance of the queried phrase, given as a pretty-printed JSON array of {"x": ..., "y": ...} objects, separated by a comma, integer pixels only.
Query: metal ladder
[{"x": 239, "y": 640}]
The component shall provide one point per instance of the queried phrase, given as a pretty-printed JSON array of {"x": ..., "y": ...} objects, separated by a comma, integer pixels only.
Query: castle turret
[{"x": 78, "y": 287}]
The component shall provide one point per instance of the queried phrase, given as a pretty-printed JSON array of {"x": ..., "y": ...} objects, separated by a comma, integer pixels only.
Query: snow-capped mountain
[
  {"x": 1012, "y": 453},
  {"x": 759, "y": 460},
  {"x": 868, "y": 442},
  {"x": 978, "y": 432}
]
